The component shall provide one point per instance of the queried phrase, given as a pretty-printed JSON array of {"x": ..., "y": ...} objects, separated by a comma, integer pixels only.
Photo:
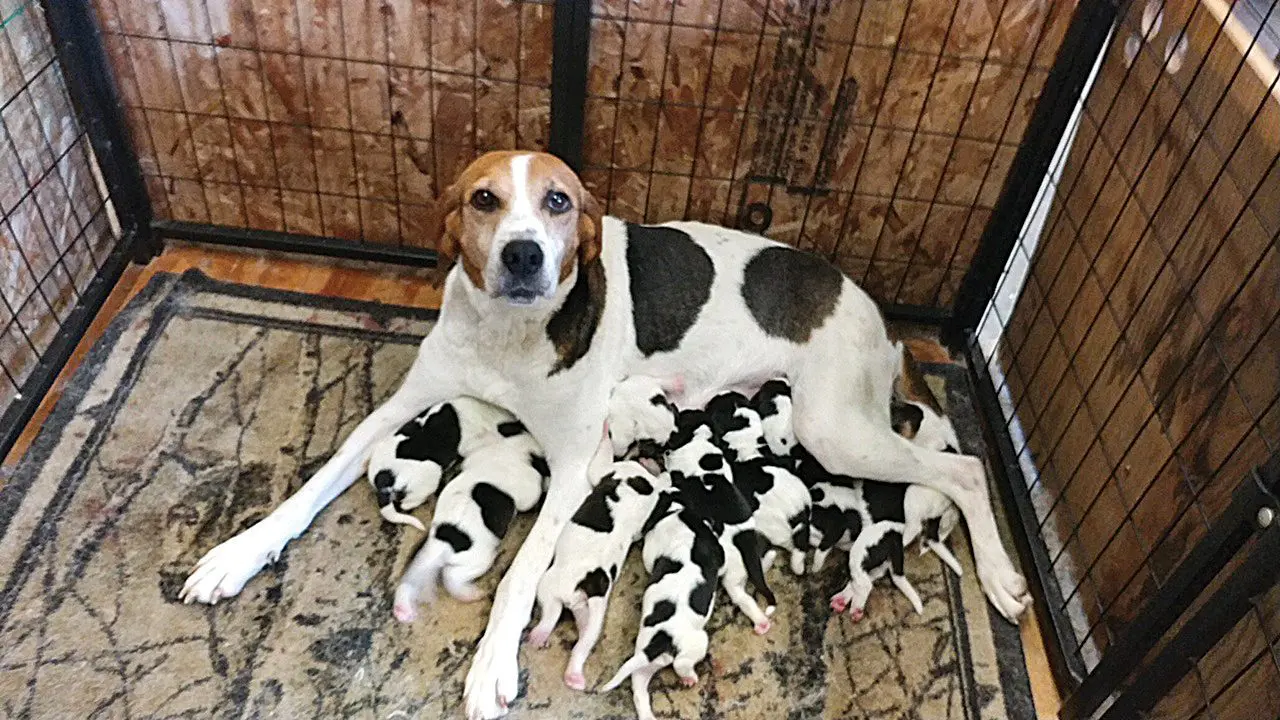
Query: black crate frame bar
[{"x": 79, "y": 51}]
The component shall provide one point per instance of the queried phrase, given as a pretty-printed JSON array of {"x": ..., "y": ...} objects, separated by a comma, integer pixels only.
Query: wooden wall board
[{"x": 340, "y": 118}]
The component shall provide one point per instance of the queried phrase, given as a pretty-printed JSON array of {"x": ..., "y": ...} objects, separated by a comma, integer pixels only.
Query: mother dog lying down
[{"x": 549, "y": 304}]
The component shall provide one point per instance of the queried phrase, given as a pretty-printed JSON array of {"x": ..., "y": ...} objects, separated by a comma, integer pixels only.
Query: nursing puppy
[
  {"x": 589, "y": 554},
  {"x": 683, "y": 555},
  {"x": 778, "y": 498},
  {"x": 641, "y": 419},
  {"x": 773, "y": 403},
  {"x": 472, "y": 516},
  {"x": 405, "y": 468},
  {"x": 704, "y": 478},
  {"x": 549, "y": 303}
]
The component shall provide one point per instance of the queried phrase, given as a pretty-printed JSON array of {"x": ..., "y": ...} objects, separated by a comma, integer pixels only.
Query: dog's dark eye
[
  {"x": 557, "y": 202},
  {"x": 483, "y": 200}
]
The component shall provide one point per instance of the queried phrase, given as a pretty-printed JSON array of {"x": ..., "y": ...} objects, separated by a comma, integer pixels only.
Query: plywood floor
[{"x": 401, "y": 286}]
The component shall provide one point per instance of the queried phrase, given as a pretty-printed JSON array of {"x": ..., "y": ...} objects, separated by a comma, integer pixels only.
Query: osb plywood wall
[
  {"x": 324, "y": 117},
  {"x": 55, "y": 225},
  {"x": 1144, "y": 353},
  {"x": 879, "y": 132}
]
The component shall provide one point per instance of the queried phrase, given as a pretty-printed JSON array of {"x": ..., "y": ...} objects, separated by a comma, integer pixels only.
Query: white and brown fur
[
  {"x": 683, "y": 555},
  {"x": 472, "y": 517},
  {"x": 405, "y": 469},
  {"x": 547, "y": 333},
  {"x": 589, "y": 554},
  {"x": 702, "y": 474}
]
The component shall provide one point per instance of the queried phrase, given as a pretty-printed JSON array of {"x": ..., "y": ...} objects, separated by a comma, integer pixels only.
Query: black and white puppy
[
  {"x": 589, "y": 553},
  {"x": 874, "y": 521},
  {"x": 472, "y": 516},
  {"x": 684, "y": 556},
  {"x": 641, "y": 419},
  {"x": 773, "y": 403},
  {"x": 778, "y": 498},
  {"x": 701, "y": 473},
  {"x": 406, "y": 468}
]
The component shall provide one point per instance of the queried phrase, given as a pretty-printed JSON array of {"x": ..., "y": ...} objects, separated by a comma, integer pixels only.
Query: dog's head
[{"x": 519, "y": 222}]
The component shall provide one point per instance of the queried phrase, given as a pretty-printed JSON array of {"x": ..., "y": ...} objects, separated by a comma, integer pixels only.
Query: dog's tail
[
  {"x": 635, "y": 664},
  {"x": 750, "y": 544}
]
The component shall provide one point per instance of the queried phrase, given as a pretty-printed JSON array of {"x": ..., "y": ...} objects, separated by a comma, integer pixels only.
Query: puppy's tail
[
  {"x": 632, "y": 665},
  {"x": 391, "y": 513}
]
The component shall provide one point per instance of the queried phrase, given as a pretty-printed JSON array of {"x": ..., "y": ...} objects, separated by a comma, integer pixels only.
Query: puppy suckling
[
  {"x": 473, "y": 513},
  {"x": 778, "y": 498},
  {"x": 589, "y": 554},
  {"x": 641, "y": 419},
  {"x": 405, "y": 468},
  {"x": 874, "y": 521},
  {"x": 773, "y": 403},
  {"x": 683, "y": 555},
  {"x": 700, "y": 472}
]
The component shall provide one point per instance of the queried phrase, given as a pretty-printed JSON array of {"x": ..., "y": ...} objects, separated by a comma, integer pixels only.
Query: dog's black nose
[{"x": 522, "y": 258}]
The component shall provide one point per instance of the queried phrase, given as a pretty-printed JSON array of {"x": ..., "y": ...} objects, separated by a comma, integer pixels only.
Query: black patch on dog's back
[
  {"x": 888, "y": 549},
  {"x": 701, "y": 595},
  {"x": 594, "y": 512},
  {"x": 659, "y": 644},
  {"x": 436, "y": 440},
  {"x": 595, "y": 583},
  {"x": 885, "y": 500},
  {"x": 753, "y": 480},
  {"x": 539, "y": 463},
  {"x": 574, "y": 324},
  {"x": 663, "y": 567},
  {"x": 454, "y": 536},
  {"x": 789, "y": 292},
  {"x": 711, "y": 462},
  {"x": 510, "y": 428},
  {"x": 671, "y": 278},
  {"x": 663, "y": 610},
  {"x": 496, "y": 508},
  {"x": 640, "y": 485}
]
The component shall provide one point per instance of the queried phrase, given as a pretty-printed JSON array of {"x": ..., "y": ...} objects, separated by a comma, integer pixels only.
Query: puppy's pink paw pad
[
  {"x": 575, "y": 681},
  {"x": 689, "y": 681},
  {"x": 857, "y": 614},
  {"x": 763, "y": 627},
  {"x": 838, "y": 603},
  {"x": 404, "y": 613}
]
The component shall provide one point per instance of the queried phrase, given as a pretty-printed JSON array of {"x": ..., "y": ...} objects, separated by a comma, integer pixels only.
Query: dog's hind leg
[
  {"x": 590, "y": 624},
  {"x": 858, "y": 441},
  {"x": 224, "y": 570}
]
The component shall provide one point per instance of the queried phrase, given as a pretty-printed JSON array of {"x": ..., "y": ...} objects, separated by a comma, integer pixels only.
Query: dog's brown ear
[
  {"x": 445, "y": 218},
  {"x": 590, "y": 228}
]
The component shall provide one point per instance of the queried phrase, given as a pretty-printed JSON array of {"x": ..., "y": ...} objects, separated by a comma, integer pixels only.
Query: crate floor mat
[{"x": 205, "y": 404}]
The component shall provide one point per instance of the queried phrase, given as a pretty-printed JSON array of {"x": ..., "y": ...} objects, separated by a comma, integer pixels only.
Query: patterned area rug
[{"x": 206, "y": 404}]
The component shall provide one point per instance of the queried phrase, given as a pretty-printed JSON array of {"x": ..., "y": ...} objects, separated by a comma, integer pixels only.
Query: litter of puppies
[{"x": 714, "y": 494}]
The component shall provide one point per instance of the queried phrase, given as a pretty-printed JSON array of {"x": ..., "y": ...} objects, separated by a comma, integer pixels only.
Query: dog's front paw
[
  {"x": 494, "y": 677},
  {"x": 224, "y": 570},
  {"x": 1004, "y": 586},
  {"x": 839, "y": 602}
]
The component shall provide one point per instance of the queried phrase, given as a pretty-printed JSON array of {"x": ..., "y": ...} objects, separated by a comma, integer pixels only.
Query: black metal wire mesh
[
  {"x": 56, "y": 225},
  {"x": 1135, "y": 329},
  {"x": 876, "y": 133},
  {"x": 334, "y": 119}
]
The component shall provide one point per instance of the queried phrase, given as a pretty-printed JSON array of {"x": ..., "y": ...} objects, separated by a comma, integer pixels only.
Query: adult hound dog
[{"x": 549, "y": 304}]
